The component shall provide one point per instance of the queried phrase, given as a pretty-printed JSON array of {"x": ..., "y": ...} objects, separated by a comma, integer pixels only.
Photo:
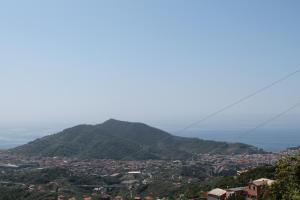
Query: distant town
[{"x": 121, "y": 179}]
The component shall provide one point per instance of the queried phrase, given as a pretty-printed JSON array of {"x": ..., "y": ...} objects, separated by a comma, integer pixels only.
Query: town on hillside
[
  {"x": 253, "y": 191},
  {"x": 105, "y": 179}
]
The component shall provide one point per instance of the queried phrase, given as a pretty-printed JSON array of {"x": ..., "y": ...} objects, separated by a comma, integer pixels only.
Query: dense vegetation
[
  {"x": 287, "y": 185},
  {"x": 123, "y": 140},
  {"x": 243, "y": 179},
  {"x": 13, "y": 193},
  {"x": 49, "y": 183},
  {"x": 196, "y": 190}
]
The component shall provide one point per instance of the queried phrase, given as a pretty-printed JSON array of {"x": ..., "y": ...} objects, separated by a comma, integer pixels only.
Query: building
[
  {"x": 240, "y": 191},
  {"x": 61, "y": 197},
  {"x": 255, "y": 188},
  {"x": 105, "y": 197},
  {"x": 118, "y": 198},
  {"x": 148, "y": 198},
  {"x": 216, "y": 194}
]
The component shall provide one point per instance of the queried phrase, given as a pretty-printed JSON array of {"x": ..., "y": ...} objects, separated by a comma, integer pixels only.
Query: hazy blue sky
[{"x": 166, "y": 63}]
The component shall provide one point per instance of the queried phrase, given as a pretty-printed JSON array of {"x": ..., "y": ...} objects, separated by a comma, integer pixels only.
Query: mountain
[{"x": 115, "y": 139}]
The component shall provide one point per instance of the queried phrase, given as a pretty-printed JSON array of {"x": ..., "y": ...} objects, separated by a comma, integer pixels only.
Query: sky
[{"x": 166, "y": 63}]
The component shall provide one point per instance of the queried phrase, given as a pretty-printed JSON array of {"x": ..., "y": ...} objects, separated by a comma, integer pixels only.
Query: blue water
[
  {"x": 9, "y": 142},
  {"x": 10, "y": 139},
  {"x": 269, "y": 140}
]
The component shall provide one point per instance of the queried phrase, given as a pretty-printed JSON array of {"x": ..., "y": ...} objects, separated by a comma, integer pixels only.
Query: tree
[{"x": 287, "y": 185}]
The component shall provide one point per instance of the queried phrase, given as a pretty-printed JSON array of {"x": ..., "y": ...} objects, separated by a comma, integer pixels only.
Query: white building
[{"x": 216, "y": 194}]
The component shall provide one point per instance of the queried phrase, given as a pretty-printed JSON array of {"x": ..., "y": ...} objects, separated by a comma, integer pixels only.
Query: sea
[{"x": 269, "y": 140}]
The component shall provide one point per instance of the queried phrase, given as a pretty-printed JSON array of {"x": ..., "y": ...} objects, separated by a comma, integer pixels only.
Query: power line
[
  {"x": 239, "y": 101},
  {"x": 232, "y": 105},
  {"x": 273, "y": 118}
]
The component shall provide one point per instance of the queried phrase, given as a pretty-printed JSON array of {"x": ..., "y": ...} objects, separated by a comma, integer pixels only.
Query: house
[
  {"x": 87, "y": 197},
  {"x": 254, "y": 189},
  {"x": 240, "y": 191},
  {"x": 105, "y": 197},
  {"x": 61, "y": 197},
  {"x": 148, "y": 198},
  {"x": 118, "y": 198},
  {"x": 216, "y": 194}
]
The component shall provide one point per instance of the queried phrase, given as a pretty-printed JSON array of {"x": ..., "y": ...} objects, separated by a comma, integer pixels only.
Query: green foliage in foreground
[
  {"x": 196, "y": 190},
  {"x": 286, "y": 174},
  {"x": 287, "y": 185},
  {"x": 243, "y": 179}
]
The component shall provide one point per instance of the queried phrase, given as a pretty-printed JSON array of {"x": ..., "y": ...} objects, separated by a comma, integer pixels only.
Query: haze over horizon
[{"x": 166, "y": 64}]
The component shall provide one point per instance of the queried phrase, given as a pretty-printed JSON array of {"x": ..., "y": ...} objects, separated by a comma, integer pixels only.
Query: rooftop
[
  {"x": 263, "y": 181},
  {"x": 217, "y": 192}
]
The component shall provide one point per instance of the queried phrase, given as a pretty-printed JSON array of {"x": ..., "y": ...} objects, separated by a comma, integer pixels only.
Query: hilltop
[{"x": 119, "y": 140}]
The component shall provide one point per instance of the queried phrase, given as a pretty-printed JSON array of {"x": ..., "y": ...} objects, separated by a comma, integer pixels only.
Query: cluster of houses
[
  {"x": 253, "y": 191},
  {"x": 103, "y": 197}
]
